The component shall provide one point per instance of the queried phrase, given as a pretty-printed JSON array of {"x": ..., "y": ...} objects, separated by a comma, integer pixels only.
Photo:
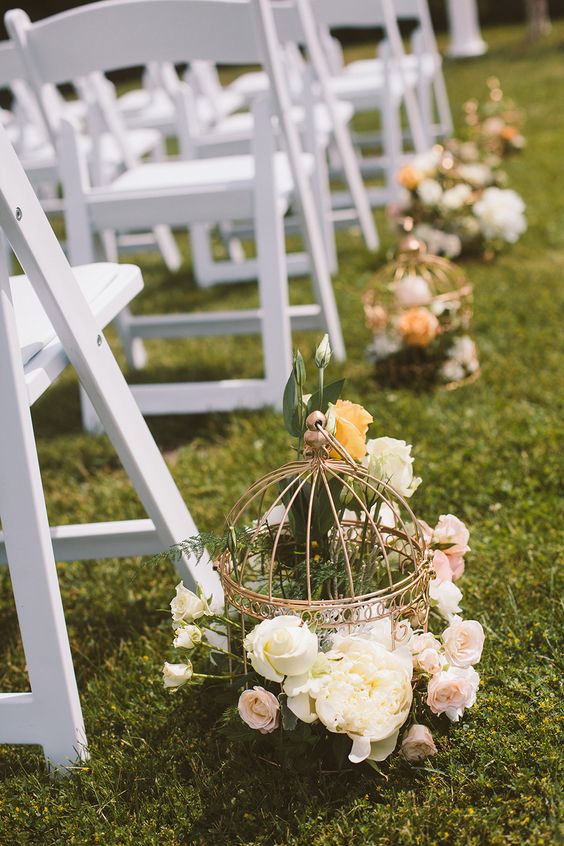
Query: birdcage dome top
[{"x": 324, "y": 539}]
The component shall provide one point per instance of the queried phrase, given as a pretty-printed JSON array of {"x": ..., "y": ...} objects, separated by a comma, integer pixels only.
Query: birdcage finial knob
[{"x": 315, "y": 438}]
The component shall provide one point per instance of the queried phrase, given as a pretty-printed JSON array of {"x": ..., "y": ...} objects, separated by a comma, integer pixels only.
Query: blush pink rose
[
  {"x": 448, "y": 567},
  {"x": 463, "y": 642},
  {"x": 418, "y": 744},
  {"x": 451, "y": 534},
  {"x": 429, "y": 661},
  {"x": 452, "y": 691},
  {"x": 259, "y": 709}
]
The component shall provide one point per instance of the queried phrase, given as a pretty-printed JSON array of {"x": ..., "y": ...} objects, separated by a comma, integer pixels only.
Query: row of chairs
[{"x": 238, "y": 174}]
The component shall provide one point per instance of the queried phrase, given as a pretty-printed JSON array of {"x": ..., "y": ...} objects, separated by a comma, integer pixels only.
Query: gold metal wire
[{"x": 406, "y": 594}]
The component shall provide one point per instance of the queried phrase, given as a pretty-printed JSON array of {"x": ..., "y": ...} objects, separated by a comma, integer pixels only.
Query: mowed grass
[{"x": 159, "y": 773}]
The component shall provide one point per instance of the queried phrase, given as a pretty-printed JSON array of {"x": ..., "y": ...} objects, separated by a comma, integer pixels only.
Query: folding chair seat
[
  {"x": 200, "y": 30},
  {"x": 52, "y": 316}
]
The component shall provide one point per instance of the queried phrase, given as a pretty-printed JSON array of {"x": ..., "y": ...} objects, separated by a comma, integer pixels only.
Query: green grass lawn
[{"x": 159, "y": 772}]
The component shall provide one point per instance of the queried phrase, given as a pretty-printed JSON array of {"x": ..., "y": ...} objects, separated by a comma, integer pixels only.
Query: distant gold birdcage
[
  {"x": 416, "y": 306},
  {"x": 323, "y": 539}
]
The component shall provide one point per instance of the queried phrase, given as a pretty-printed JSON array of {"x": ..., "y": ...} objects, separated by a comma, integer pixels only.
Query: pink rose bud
[{"x": 418, "y": 744}]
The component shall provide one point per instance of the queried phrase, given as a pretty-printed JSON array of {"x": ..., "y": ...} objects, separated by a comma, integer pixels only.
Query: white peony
[
  {"x": 412, "y": 291},
  {"x": 283, "y": 646},
  {"x": 175, "y": 675},
  {"x": 390, "y": 460},
  {"x": 365, "y": 692},
  {"x": 452, "y": 691},
  {"x": 446, "y": 596},
  {"x": 463, "y": 642},
  {"x": 430, "y": 192},
  {"x": 455, "y": 197},
  {"x": 187, "y": 637},
  {"x": 476, "y": 174},
  {"x": 501, "y": 214},
  {"x": 187, "y": 605}
]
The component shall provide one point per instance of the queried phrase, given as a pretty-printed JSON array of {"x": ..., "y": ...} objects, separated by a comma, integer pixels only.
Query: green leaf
[
  {"x": 290, "y": 407},
  {"x": 289, "y": 719},
  {"x": 331, "y": 393}
]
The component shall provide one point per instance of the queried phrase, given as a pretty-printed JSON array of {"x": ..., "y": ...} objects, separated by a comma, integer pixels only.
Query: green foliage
[{"x": 159, "y": 773}]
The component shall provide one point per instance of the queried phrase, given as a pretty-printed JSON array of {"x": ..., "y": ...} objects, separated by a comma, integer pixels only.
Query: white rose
[
  {"x": 455, "y": 197},
  {"x": 367, "y": 695},
  {"x": 175, "y": 675},
  {"x": 418, "y": 744},
  {"x": 463, "y": 641},
  {"x": 430, "y": 192},
  {"x": 427, "y": 162},
  {"x": 390, "y": 460},
  {"x": 412, "y": 291},
  {"x": 446, "y": 596},
  {"x": 187, "y": 605},
  {"x": 452, "y": 371},
  {"x": 259, "y": 709},
  {"x": 429, "y": 661},
  {"x": 451, "y": 534},
  {"x": 452, "y": 691},
  {"x": 187, "y": 637},
  {"x": 501, "y": 214},
  {"x": 463, "y": 353},
  {"x": 476, "y": 174},
  {"x": 283, "y": 646}
]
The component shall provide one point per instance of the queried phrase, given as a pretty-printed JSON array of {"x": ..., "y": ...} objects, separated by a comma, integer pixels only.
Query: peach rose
[
  {"x": 259, "y": 709},
  {"x": 418, "y": 327},
  {"x": 429, "y": 661},
  {"x": 463, "y": 641},
  {"x": 508, "y": 133},
  {"x": 418, "y": 744},
  {"x": 409, "y": 177},
  {"x": 351, "y": 425},
  {"x": 453, "y": 690}
]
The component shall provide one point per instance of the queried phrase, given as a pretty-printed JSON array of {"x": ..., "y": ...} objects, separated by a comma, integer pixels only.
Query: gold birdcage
[
  {"x": 415, "y": 306},
  {"x": 323, "y": 539}
]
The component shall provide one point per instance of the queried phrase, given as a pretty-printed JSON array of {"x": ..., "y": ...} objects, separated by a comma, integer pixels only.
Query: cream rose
[
  {"x": 463, "y": 642},
  {"x": 390, "y": 460},
  {"x": 365, "y": 693},
  {"x": 451, "y": 535},
  {"x": 259, "y": 709},
  {"x": 283, "y": 646},
  {"x": 175, "y": 675},
  {"x": 430, "y": 192},
  {"x": 418, "y": 744},
  {"x": 412, "y": 290},
  {"x": 187, "y": 606},
  {"x": 424, "y": 641},
  {"x": 446, "y": 597},
  {"x": 187, "y": 637},
  {"x": 452, "y": 691},
  {"x": 455, "y": 197}
]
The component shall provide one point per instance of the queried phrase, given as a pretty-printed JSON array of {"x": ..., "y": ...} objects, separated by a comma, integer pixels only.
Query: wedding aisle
[{"x": 160, "y": 773}]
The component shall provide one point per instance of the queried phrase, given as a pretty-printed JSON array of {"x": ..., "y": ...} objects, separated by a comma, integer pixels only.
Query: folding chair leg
[
  {"x": 168, "y": 247},
  {"x": 50, "y": 715}
]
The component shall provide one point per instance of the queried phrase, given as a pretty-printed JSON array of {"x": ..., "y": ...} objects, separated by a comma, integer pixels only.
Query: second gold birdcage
[
  {"x": 322, "y": 539},
  {"x": 419, "y": 310}
]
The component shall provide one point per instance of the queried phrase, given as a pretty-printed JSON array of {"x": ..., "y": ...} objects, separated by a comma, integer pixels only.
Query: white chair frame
[
  {"x": 50, "y": 714},
  {"x": 186, "y": 29}
]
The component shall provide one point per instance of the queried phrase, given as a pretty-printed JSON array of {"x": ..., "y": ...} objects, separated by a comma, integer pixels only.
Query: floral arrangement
[
  {"x": 458, "y": 204},
  {"x": 311, "y": 686},
  {"x": 419, "y": 309},
  {"x": 494, "y": 126}
]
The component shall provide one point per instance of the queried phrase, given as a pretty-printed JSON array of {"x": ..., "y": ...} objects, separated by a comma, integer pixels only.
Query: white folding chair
[
  {"x": 126, "y": 33},
  {"x": 48, "y": 318},
  {"x": 423, "y": 65}
]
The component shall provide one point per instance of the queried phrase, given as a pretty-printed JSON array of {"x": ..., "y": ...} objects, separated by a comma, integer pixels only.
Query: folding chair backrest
[
  {"x": 129, "y": 33},
  {"x": 10, "y": 64}
]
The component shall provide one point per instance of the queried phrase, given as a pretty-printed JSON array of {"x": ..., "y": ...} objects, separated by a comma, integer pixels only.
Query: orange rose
[
  {"x": 418, "y": 327},
  {"x": 409, "y": 177},
  {"x": 508, "y": 133},
  {"x": 351, "y": 425}
]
